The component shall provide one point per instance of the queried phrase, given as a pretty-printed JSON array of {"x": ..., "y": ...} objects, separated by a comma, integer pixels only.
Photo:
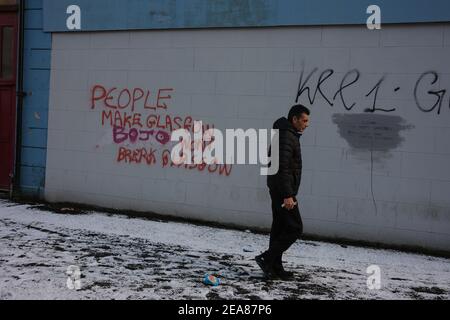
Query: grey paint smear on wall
[{"x": 370, "y": 132}]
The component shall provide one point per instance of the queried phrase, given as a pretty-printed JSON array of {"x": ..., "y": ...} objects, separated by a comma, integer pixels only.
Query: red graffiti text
[{"x": 115, "y": 98}]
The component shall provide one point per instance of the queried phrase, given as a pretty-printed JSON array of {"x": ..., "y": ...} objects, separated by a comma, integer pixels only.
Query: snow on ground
[{"x": 131, "y": 258}]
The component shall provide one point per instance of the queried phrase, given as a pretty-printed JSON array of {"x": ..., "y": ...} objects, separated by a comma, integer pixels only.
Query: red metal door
[{"x": 8, "y": 66}]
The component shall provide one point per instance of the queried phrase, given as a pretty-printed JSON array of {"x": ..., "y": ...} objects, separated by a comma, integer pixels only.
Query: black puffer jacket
[{"x": 287, "y": 181}]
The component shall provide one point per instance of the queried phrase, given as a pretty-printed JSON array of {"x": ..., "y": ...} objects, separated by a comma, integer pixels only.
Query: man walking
[{"x": 287, "y": 224}]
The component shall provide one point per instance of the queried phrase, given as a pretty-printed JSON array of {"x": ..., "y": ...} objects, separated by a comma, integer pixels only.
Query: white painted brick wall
[
  {"x": 447, "y": 36},
  {"x": 244, "y": 78},
  {"x": 218, "y": 59}
]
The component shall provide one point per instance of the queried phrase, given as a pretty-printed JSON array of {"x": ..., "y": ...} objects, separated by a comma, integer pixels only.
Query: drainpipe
[{"x": 15, "y": 179}]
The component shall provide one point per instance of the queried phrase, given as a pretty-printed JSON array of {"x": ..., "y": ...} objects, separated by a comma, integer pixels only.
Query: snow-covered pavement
[{"x": 131, "y": 258}]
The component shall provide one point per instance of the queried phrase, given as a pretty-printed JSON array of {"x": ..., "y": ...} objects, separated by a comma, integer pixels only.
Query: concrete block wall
[{"x": 380, "y": 176}]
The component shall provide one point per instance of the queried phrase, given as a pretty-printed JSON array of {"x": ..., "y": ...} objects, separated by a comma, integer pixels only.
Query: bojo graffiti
[{"x": 141, "y": 126}]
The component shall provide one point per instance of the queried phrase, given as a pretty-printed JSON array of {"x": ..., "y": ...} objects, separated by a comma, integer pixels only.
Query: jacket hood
[{"x": 284, "y": 124}]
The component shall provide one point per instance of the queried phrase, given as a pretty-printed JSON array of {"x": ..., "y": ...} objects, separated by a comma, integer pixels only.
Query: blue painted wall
[
  {"x": 37, "y": 53},
  {"x": 167, "y": 14}
]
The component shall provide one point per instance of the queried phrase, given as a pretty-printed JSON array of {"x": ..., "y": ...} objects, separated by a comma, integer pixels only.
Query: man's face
[{"x": 301, "y": 123}]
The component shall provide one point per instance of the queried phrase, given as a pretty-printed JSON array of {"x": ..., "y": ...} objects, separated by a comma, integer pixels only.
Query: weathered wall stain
[
  {"x": 163, "y": 12},
  {"x": 237, "y": 13}
]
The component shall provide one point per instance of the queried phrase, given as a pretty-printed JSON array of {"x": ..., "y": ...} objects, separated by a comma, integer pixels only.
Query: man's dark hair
[{"x": 297, "y": 111}]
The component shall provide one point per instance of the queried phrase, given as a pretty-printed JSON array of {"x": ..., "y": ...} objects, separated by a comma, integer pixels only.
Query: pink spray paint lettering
[
  {"x": 121, "y": 135},
  {"x": 139, "y": 116}
]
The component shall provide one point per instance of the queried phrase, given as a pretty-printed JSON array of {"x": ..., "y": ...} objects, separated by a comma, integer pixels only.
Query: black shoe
[
  {"x": 283, "y": 274},
  {"x": 265, "y": 266}
]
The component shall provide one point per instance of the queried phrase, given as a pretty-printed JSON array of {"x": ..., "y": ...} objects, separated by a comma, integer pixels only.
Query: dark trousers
[{"x": 287, "y": 227}]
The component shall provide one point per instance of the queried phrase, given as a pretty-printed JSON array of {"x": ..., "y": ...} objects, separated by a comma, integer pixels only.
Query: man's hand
[{"x": 289, "y": 203}]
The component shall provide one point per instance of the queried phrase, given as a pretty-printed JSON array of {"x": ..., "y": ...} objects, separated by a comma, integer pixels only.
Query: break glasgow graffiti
[{"x": 137, "y": 118}]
